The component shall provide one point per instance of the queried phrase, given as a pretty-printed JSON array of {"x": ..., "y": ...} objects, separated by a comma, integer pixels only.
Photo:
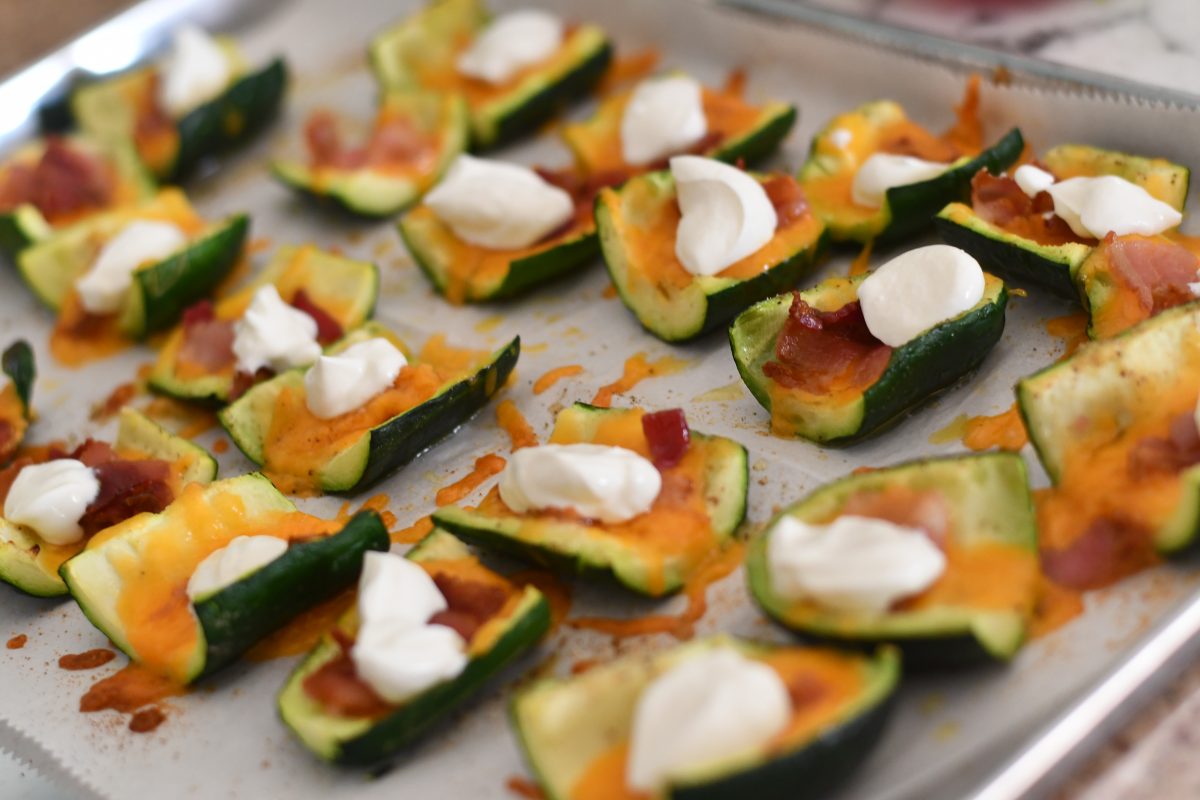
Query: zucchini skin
[
  {"x": 19, "y": 365},
  {"x": 756, "y": 145},
  {"x": 20, "y": 228},
  {"x": 241, "y": 614}
]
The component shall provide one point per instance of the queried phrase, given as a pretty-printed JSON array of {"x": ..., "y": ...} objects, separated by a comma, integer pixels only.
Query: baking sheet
[{"x": 950, "y": 731}]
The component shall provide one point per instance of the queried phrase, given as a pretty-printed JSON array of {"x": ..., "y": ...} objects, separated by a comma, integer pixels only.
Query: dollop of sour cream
[
  {"x": 1095, "y": 207},
  {"x": 918, "y": 290},
  {"x": 397, "y": 652},
  {"x": 51, "y": 498},
  {"x": 498, "y": 205},
  {"x": 883, "y": 171},
  {"x": 229, "y": 564},
  {"x": 510, "y": 43},
  {"x": 104, "y": 286},
  {"x": 663, "y": 116},
  {"x": 705, "y": 710},
  {"x": 338, "y": 384},
  {"x": 726, "y": 214},
  {"x": 273, "y": 334},
  {"x": 610, "y": 484},
  {"x": 1033, "y": 180},
  {"x": 857, "y": 564},
  {"x": 196, "y": 71}
]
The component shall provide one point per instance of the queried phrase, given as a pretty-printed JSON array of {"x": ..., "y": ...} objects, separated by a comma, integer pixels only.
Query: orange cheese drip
[
  {"x": 1056, "y": 606},
  {"x": 1071, "y": 328},
  {"x": 637, "y": 369},
  {"x": 627, "y": 69},
  {"x": 515, "y": 425},
  {"x": 12, "y": 418},
  {"x": 303, "y": 632},
  {"x": 413, "y": 533},
  {"x": 554, "y": 376},
  {"x": 80, "y": 338},
  {"x": 486, "y": 466},
  {"x": 556, "y": 592},
  {"x": 862, "y": 262},
  {"x": 1005, "y": 431}
]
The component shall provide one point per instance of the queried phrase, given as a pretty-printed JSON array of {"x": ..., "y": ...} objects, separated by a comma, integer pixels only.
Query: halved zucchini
[
  {"x": 653, "y": 553},
  {"x": 125, "y": 108},
  {"x": 915, "y": 373},
  {"x": 344, "y": 289},
  {"x": 16, "y": 399},
  {"x": 981, "y": 606},
  {"x": 737, "y": 131},
  {"x": 1052, "y": 267},
  {"x": 463, "y": 272},
  {"x": 128, "y": 579},
  {"x": 421, "y": 53},
  {"x": 635, "y": 221},
  {"x": 26, "y": 224},
  {"x": 385, "y": 189},
  {"x": 849, "y": 139},
  {"x": 1086, "y": 417},
  {"x": 31, "y": 564},
  {"x": 161, "y": 291},
  {"x": 365, "y": 741},
  {"x": 358, "y": 457},
  {"x": 574, "y": 731}
]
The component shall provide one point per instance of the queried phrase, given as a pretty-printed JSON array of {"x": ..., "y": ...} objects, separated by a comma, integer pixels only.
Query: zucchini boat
[
  {"x": 1115, "y": 428},
  {"x": 161, "y": 289},
  {"x": 738, "y": 131},
  {"x": 143, "y": 471},
  {"x": 129, "y": 580},
  {"x": 421, "y": 53},
  {"x": 197, "y": 361},
  {"x": 16, "y": 399},
  {"x": 697, "y": 512},
  {"x": 126, "y": 108},
  {"x": 53, "y": 182},
  {"x": 466, "y": 273},
  {"x": 979, "y": 509},
  {"x": 840, "y": 149},
  {"x": 439, "y": 389},
  {"x": 373, "y": 734},
  {"x": 415, "y": 137},
  {"x": 1029, "y": 249},
  {"x": 637, "y": 225},
  {"x": 880, "y": 386},
  {"x": 576, "y": 732}
]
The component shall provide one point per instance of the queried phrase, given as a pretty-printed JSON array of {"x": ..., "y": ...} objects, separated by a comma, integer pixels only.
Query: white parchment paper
[{"x": 224, "y": 740}]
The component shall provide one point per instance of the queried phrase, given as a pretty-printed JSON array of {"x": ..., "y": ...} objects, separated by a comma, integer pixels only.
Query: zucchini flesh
[
  {"x": 387, "y": 189},
  {"x": 680, "y": 310},
  {"x": 1054, "y": 268},
  {"x": 916, "y": 372},
  {"x": 1105, "y": 392},
  {"x": 388, "y": 446},
  {"x": 990, "y": 514},
  {"x": 230, "y": 620},
  {"x": 646, "y": 567},
  {"x": 420, "y": 53},
  {"x": 565, "y": 725},
  {"x": 30, "y": 565},
  {"x": 344, "y": 288},
  {"x": 908, "y": 209},
  {"x": 372, "y": 741}
]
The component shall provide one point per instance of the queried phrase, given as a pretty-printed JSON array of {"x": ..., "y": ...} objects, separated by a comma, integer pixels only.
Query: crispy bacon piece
[
  {"x": 668, "y": 436},
  {"x": 93, "y": 453},
  {"x": 1156, "y": 269},
  {"x": 208, "y": 344},
  {"x": 392, "y": 141},
  {"x": 786, "y": 194},
  {"x": 1110, "y": 549},
  {"x": 1173, "y": 453},
  {"x": 923, "y": 510},
  {"x": 244, "y": 382},
  {"x": 7, "y": 437},
  {"x": 198, "y": 312},
  {"x": 63, "y": 182},
  {"x": 1000, "y": 201},
  {"x": 822, "y": 351},
  {"x": 127, "y": 488},
  {"x": 328, "y": 328},
  {"x": 470, "y": 604}
]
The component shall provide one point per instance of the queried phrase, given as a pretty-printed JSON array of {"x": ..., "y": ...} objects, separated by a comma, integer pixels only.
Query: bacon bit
[
  {"x": 554, "y": 376},
  {"x": 470, "y": 604},
  {"x": 627, "y": 69},
  {"x": 1158, "y": 271},
  {"x": 413, "y": 533},
  {"x": 147, "y": 720},
  {"x": 520, "y": 434},
  {"x": 683, "y": 626},
  {"x": 818, "y": 351},
  {"x": 303, "y": 632},
  {"x": 1072, "y": 329},
  {"x": 1179, "y": 450},
  {"x": 583, "y": 665},
  {"x": 328, "y": 329},
  {"x": 863, "y": 470},
  {"x": 198, "y": 312},
  {"x": 340, "y": 691},
  {"x": 208, "y": 344},
  {"x": 523, "y": 787},
  {"x": 393, "y": 141},
  {"x": 127, "y": 488},
  {"x": 17, "y": 642},
  {"x": 609, "y": 293},
  {"x": 788, "y": 198},
  {"x": 862, "y": 261},
  {"x": 735, "y": 82},
  {"x": 552, "y": 587},
  {"x": 1056, "y": 606},
  {"x": 87, "y": 660},
  {"x": 667, "y": 435},
  {"x": 583, "y": 189},
  {"x": 1005, "y": 431},
  {"x": 486, "y": 466},
  {"x": 63, "y": 183},
  {"x": 117, "y": 399},
  {"x": 923, "y": 510},
  {"x": 1110, "y": 549},
  {"x": 637, "y": 369},
  {"x": 1000, "y": 201},
  {"x": 967, "y": 131}
]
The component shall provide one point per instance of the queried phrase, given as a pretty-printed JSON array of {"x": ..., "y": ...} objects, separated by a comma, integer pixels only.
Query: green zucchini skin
[
  {"x": 238, "y": 616},
  {"x": 756, "y": 145},
  {"x": 569, "y": 549},
  {"x": 917, "y": 371},
  {"x": 990, "y": 492},
  {"x": 714, "y": 300},
  {"x": 381, "y": 741},
  {"x": 20, "y": 228},
  {"x": 19, "y": 365},
  {"x": 807, "y": 770},
  {"x": 389, "y": 446}
]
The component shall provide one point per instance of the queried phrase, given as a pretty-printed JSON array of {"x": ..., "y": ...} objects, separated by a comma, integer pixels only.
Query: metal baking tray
[{"x": 1003, "y": 732}]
